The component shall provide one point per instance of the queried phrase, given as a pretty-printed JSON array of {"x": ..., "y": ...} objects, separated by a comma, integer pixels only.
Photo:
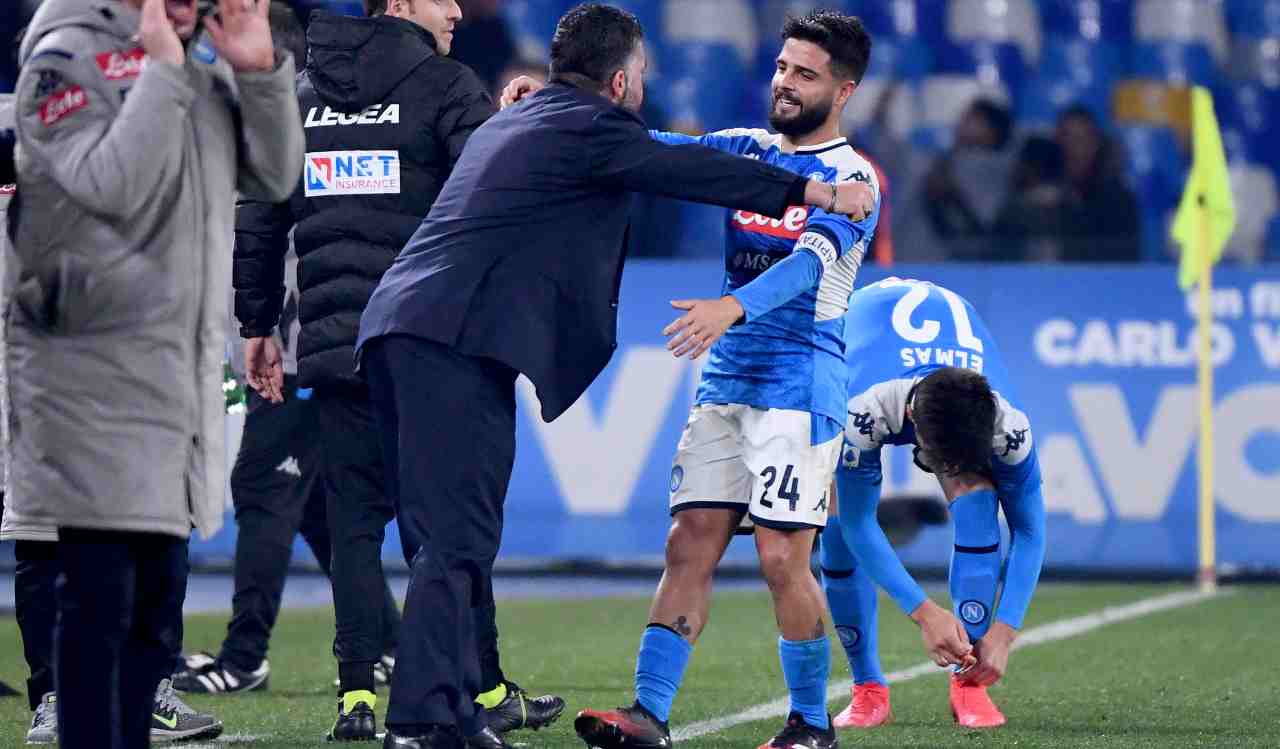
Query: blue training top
[
  {"x": 793, "y": 277},
  {"x": 899, "y": 331}
]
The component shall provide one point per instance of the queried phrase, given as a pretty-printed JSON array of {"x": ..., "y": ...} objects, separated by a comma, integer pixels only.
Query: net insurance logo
[{"x": 332, "y": 173}]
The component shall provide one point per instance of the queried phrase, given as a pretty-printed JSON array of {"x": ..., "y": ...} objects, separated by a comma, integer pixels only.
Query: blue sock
[
  {"x": 806, "y": 664},
  {"x": 975, "y": 563},
  {"x": 660, "y": 668},
  {"x": 853, "y": 600}
]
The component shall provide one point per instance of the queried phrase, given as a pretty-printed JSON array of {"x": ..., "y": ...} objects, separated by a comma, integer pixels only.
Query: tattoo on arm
[{"x": 681, "y": 626}]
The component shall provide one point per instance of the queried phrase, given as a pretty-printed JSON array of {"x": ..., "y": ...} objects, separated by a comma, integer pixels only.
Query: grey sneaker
[
  {"x": 44, "y": 724},
  {"x": 173, "y": 720}
]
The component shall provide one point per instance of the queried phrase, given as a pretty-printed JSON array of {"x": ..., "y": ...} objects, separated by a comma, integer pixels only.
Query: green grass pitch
[{"x": 1204, "y": 675}]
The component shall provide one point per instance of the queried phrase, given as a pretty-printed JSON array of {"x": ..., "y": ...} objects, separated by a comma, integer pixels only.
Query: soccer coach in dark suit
[{"x": 516, "y": 270}]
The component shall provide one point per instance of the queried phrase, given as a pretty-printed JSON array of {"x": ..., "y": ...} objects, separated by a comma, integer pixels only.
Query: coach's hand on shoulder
[
  {"x": 944, "y": 637},
  {"x": 242, "y": 34},
  {"x": 519, "y": 87},
  {"x": 706, "y": 320},
  {"x": 264, "y": 368},
  {"x": 157, "y": 35},
  {"x": 992, "y": 652}
]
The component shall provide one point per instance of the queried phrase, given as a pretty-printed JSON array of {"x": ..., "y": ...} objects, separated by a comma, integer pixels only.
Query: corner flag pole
[{"x": 1208, "y": 576}]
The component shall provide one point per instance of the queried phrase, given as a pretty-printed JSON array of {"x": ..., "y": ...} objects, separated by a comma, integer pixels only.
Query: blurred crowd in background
[{"x": 1004, "y": 130}]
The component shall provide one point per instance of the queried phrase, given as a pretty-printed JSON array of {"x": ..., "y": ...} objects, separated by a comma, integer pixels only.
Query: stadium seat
[
  {"x": 696, "y": 102},
  {"x": 1157, "y": 168},
  {"x": 1091, "y": 63},
  {"x": 1256, "y": 59},
  {"x": 943, "y": 98},
  {"x": 533, "y": 23},
  {"x": 1152, "y": 103},
  {"x": 1010, "y": 21},
  {"x": 1093, "y": 20},
  {"x": 1174, "y": 62},
  {"x": 1253, "y": 187},
  {"x": 1182, "y": 21},
  {"x": 731, "y": 22},
  {"x": 1043, "y": 97},
  {"x": 1253, "y": 18},
  {"x": 903, "y": 58},
  {"x": 989, "y": 62},
  {"x": 1248, "y": 114}
]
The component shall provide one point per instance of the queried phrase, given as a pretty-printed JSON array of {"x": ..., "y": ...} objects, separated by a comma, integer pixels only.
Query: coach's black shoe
[
  {"x": 798, "y": 734},
  {"x": 436, "y": 738},
  {"x": 625, "y": 728},
  {"x": 205, "y": 674},
  {"x": 518, "y": 710},
  {"x": 487, "y": 739},
  {"x": 356, "y": 721}
]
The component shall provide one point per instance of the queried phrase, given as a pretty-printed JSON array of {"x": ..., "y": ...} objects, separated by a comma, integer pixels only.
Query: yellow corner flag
[{"x": 1207, "y": 215}]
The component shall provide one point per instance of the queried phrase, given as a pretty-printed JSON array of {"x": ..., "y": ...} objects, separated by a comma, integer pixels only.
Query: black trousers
[
  {"x": 119, "y": 625},
  {"x": 448, "y": 436},
  {"x": 35, "y": 607},
  {"x": 278, "y": 492}
]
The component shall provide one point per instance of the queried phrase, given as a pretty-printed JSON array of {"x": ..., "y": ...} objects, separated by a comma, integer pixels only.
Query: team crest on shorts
[
  {"x": 973, "y": 612},
  {"x": 677, "y": 478}
]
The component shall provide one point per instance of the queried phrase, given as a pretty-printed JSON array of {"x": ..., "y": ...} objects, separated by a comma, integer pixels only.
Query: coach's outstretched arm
[{"x": 628, "y": 158}]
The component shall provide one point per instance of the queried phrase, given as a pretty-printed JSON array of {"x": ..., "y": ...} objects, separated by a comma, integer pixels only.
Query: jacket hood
[
  {"x": 110, "y": 16},
  {"x": 355, "y": 62}
]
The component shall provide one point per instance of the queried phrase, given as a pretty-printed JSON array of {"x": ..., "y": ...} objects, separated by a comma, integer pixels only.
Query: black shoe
[
  {"x": 517, "y": 710},
  {"x": 625, "y": 728},
  {"x": 798, "y": 734},
  {"x": 205, "y": 674},
  {"x": 356, "y": 721},
  {"x": 487, "y": 739},
  {"x": 436, "y": 738}
]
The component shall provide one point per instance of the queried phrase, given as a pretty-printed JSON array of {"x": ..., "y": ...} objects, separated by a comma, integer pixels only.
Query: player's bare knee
[{"x": 782, "y": 560}]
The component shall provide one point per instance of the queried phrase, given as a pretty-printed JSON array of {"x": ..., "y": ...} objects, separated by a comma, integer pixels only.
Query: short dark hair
[
  {"x": 998, "y": 118},
  {"x": 841, "y": 36},
  {"x": 286, "y": 31},
  {"x": 954, "y": 410},
  {"x": 594, "y": 41}
]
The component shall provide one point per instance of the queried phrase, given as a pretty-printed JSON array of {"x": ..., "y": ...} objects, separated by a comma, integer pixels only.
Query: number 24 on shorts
[{"x": 788, "y": 490}]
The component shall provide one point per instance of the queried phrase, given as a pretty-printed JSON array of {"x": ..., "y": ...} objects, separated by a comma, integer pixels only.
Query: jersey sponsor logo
[
  {"x": 754, "y": 260},
  {"x": 973, "y": 612},
  {"x": 377, "y": 114},
  {"x": 119, "y": 66},
  {"x": 790, "y": 226},
  {"x": 62, "y": 104},
  {"x": 331, "y": 173}
]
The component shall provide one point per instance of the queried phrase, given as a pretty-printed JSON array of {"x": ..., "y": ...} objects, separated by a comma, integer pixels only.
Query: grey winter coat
[{"x": 127, "y": 178}]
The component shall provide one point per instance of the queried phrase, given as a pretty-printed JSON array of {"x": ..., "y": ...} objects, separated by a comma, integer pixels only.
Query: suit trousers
[
  {"x": 119, "y": 624},
  {"x": 448, "y": 437},
  {"x": 278, "y": 492}
]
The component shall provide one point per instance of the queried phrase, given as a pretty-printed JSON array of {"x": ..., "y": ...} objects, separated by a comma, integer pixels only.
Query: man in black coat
[
  {"x": 516, "y": 270},
  {"x": 386, "y": 114}
]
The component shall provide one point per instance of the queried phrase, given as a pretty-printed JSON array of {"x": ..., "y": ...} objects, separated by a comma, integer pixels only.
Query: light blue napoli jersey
[
  {"x": 793, "y": 356},
  {"x": 900, "y": 330}
]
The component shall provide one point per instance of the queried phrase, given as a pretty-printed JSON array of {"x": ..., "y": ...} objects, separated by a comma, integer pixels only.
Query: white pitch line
[{"x": 1051, "y": 632}]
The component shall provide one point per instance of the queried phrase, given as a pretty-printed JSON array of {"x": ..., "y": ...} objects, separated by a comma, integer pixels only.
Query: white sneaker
[{"x": 44, "y": 724}]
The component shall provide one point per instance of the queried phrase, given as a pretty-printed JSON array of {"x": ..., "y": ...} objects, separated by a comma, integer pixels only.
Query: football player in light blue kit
[
  {"x": 763, "y": 438},
  {"x": 924, "y": 371}
]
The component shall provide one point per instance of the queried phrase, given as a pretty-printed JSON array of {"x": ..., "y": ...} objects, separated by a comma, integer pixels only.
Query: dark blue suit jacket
[{"x": 520, "y": 258}]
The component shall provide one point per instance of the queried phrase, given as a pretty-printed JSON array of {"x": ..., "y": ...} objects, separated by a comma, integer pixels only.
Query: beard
[{"x": 809, "y": 118}]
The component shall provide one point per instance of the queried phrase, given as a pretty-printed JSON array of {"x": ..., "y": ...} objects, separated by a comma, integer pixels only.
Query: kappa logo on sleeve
[
  {"x": 62, "y": 104},
  {"x": 330, "y": 173},
  {"x": 120, "y": 66}
]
